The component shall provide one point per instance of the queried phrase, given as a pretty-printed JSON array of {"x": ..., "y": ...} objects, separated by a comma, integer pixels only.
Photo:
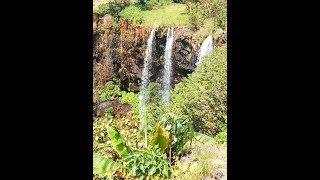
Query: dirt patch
[{"x": 214, "y": 157}]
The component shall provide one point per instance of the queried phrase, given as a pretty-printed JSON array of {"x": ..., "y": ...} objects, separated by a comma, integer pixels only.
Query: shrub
[
  {"x": 110, "y": 91},
  {"x": 202, "y": 96},
  {"x": 199, "y": 10},
  {"x": 113, "y": 8},
  {"x": 103, "y": 9},
  {"x": 132, "y": 99},
  {"x": 141, "y": 163},
  {"x": 132, "y": 13},
  {"x": 147, "y": 162},
  {"x": 180, "y": 130},
  {"x": 196, "y": 15}
]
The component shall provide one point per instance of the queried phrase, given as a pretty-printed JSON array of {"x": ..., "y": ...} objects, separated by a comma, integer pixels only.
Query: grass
[
  {"x": 169, "y": 15},
  {"x": 96, "y": 3}
]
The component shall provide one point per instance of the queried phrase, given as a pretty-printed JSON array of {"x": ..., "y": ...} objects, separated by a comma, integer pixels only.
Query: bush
[
  {"x": 196, "y": 15},
  {"x": 113, "y": 8},
  {"x": 180, "y": 130},
  {"x": 103, "y": 9},
  {"x": 147, "y": 162},
  {"x": 199, "y": 10},
  {"x": 110, "y": 91},
  {"x": 132, "y": 13},
  {"x": 202, "y": 96},
  {"x": 132, "y": 99}
]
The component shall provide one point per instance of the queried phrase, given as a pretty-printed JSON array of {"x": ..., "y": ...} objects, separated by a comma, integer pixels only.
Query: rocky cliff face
[{"x": 119, "y": 51}]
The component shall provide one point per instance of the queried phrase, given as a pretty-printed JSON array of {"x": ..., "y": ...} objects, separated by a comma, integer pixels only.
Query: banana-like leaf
[
  {"x": 118, "y": 142},
  {"x": 104, "y": 166},
  {"x": 160, "y": 138},
  {"x": 205, "y": 139}
]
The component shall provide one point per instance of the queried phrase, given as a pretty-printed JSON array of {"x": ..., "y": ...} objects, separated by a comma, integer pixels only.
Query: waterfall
[
  {"x": 167, "y": 67},
  {"x": 145, "y": 76},
  {"x": 205, "y": 48}
]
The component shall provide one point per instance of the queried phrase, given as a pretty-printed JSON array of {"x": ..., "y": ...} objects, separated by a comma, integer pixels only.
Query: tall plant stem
[{"x": 145, "y": 132}]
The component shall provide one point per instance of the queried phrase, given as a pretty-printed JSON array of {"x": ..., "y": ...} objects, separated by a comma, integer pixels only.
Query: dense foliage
[
  {"x": 132, "y": 14},
  {"x": 147, "y": 162},
  {"x": 203, "y": 95},
  {"x": 132, "y": 99},
  {"x": 139, "y": 162},
  {"x": 196, "y": 114},
  {"x": 113, "y": 8},
  {"x": 180, "y": 131},
  {"x": 200, "y": 10},
  {"x": 109, "y": 92}
]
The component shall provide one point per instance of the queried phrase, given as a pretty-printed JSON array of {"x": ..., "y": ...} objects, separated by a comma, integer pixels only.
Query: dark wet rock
[
  {"x": 122, "y": 51},
  {"x": 119, "y": 109},
  {"x": 184, "y": 54}
]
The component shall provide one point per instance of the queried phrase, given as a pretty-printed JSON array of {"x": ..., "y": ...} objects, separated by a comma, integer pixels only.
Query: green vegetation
[
  {"x": 103, "y": 9},
  {"x": 193, "y": 125},
  {"x": 132, "y": 99},
  {"x": 181, "y": 131},
  {"x": 203, "y": 95},
  {"x": 203, "y": 16},
  {"x": 113, "y": 7},
  {"x": 136, "y": 163},
  {"x": 132, "y": 14},
  {"x": 200, "y": 10},
  {"x": 100, "y": 162},
  {"x": 147, "y": 162},
  {"x": 197, "y": 113},
  {"x": 198, "y": 101},
  {"x": 169, "y": 15},
  {"x": 118, "y": 142},
  {"x": 109, "y": 92}
]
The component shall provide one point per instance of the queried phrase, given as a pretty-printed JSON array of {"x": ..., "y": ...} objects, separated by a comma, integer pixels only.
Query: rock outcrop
[
  {"x": 118, "y": 109},
  {"x": 119, "y": 52}
]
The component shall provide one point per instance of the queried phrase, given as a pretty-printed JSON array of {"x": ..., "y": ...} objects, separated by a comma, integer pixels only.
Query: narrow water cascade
[
  {"x": 167, "y": 67},
  {"x": 145, "y": 76},
  {"x": 205, "y": 48}
]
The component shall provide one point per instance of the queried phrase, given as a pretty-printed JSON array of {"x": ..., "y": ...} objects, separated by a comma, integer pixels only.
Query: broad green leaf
[
  {"x": 205, "y": 139},
  {"x": 160, "y": 138},
  {"x": 104, "y": 166},
  {"x": 166, "y": 170},
  {"x": 152, "y": 170},
  {"x": 118, "y": 142}
]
